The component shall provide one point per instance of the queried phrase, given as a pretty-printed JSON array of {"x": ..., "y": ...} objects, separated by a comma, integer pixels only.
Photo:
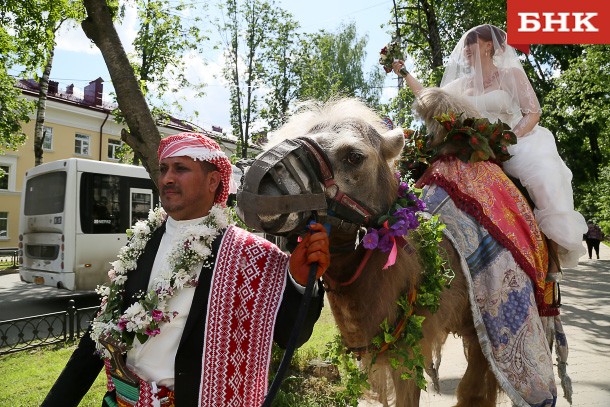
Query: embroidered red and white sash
[{"x": 246, "y": 292}]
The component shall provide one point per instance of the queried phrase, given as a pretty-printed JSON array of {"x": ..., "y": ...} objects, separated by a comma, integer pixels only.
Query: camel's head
[{"x": 343, "y": 137}]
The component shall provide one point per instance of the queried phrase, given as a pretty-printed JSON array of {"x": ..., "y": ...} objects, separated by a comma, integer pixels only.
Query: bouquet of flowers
[
  {"x": 474, "y": 139},
  {"x": 389, "y": 54}
]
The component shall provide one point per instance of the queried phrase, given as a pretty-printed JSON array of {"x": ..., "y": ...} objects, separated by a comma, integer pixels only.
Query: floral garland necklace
[
  {"x": 144, "y": 318},
  {"x": 396, "y": 223},
  {"x": 402, "y": 342}
]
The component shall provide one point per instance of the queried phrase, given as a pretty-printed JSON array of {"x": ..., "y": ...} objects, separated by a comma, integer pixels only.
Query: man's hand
[{"x": 314, "y": 248}]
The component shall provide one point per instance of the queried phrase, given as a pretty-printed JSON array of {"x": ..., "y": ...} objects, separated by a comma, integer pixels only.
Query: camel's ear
[{"x": 392, "y": 143}]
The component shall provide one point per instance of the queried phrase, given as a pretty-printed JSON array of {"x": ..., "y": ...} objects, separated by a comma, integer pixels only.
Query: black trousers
[{"x": 593, "y": 244}]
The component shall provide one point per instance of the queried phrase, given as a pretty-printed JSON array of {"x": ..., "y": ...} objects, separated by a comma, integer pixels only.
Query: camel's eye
[{"x": 354, "y": 158}]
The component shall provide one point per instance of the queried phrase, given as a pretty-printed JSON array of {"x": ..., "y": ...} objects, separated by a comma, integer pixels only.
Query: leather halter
[{"x": 340, "y": 205}]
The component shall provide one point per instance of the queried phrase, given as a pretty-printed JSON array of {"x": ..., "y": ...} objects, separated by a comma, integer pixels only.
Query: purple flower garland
[{"x": 396, "y": 223}]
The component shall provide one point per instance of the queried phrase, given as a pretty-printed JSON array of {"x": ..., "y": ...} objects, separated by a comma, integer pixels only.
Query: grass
[{"x": 30, "y": 374}]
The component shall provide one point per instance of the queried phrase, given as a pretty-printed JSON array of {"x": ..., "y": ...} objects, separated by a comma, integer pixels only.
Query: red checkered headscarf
[{"x": 199, "y": 147}]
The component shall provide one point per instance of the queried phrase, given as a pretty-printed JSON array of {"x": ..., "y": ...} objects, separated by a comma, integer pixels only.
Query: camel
[{"x": 361, "y": 152}]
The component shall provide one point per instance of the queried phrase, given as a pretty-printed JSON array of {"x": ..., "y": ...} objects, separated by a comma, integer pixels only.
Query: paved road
[
  {"x": 586, "y": 320},
  {"x": 19, "y": 299}
]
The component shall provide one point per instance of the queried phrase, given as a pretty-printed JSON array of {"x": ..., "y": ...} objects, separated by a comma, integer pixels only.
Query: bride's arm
[
  {"x": 528, "y": 103},
  {"x": 411, "y": 80}
]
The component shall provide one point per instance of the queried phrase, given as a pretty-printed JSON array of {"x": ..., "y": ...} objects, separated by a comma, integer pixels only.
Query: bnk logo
[{"x": 558, "y": 22}]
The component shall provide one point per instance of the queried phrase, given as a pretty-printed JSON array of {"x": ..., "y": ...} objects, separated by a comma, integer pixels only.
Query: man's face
[{"x": 186, "y": 190}]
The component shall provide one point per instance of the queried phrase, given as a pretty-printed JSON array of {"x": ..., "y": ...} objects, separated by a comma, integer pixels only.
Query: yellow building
[{"x": 74, "y": 127}]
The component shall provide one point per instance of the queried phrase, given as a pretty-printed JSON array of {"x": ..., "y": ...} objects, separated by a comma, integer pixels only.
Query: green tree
[
  {"x": 33, "y": 25},
  {"x": 143, "y": 135},
  {"x": 168, "y": 35},
  {"x": 281, "y": 78},
  {"x": 577, "y": 109},
  {"x": 15, "y": 110},
  {"x": 331, "y": 64},
  {"x": 165, "y": 40},
  {"x": 250, "y": 27}
]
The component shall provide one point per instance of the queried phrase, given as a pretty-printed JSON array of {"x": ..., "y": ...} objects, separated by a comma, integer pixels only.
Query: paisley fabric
[
  {"x": 503, "y": 304},
  {"x": 483, "y": 191}
]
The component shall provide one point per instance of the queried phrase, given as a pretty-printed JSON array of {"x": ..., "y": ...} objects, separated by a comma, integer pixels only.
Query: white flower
[
  {"x": 117, "y": 267},
  {"x": 202, "y": 249},
  {"x": 141, "y": 228},
  {"x": 102, "y": 290},
  {"x": 120, "y": 280}
]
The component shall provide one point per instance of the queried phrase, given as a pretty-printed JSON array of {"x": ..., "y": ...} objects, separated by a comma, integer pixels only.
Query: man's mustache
[{"x": 169, "y": 188}]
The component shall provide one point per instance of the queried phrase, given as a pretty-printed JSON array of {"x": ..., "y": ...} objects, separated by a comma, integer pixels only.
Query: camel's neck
[{"x": 345, "y": 256}]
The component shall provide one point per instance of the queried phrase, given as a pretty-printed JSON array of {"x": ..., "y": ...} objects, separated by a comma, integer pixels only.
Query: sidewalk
[{"x": 586, "y": 319}]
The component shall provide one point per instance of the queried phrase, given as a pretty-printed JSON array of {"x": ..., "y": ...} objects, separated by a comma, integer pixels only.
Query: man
[{"x": 193, "y": 302}]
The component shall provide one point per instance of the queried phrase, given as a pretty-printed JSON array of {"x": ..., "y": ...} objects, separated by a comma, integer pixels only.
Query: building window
[
  {"x": 3, "y": 225},
  {"x": 4, "y": 174},
  {"x": 81, "y": 144},
  {"x": 113, "y": 148},
  {"x": 48, "y": 138},
  {"x": 8, "y": 166}
]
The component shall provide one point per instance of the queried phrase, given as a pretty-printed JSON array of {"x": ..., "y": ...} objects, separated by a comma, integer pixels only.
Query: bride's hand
[{"x": 398, "y": 67}]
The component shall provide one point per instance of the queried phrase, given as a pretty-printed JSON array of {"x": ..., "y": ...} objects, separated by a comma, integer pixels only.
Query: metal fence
[
  {"x": 9, "y": 255},
  {"x": 40, "y": 330}
]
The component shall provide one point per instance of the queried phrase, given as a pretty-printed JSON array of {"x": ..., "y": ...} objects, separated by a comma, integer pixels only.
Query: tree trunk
[
  {"x": 41, "y": 108},
  {"x": 434, "y": 38},
  {"x": 143, "y": 136}
]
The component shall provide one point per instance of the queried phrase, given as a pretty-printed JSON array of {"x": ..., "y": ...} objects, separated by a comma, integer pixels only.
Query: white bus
[{"x": 74, "y": 214}]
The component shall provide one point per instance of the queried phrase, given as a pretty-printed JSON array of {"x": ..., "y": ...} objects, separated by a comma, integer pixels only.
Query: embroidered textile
[
  {"x": 483, "y": 191},
  {"x": 503, "y": 305},
  {"x": 247, "y": 288}
]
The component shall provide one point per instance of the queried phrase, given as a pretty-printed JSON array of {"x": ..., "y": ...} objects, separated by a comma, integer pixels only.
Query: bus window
[
  {"x": 141, "y": 203},
  {"x": 100, "y": 203},
  {"x": 45, "y": 194},
  {"x": 112, "y": 203}
]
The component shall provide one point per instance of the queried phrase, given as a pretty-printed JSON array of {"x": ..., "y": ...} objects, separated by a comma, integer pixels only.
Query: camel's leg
[
  {"x": 407, "y": 392},
  {"x": 478, "y": 386}
]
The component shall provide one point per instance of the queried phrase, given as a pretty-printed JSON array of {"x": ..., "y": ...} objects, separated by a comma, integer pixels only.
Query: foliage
[
  {"x": 331, "y": 65},
  {"x": 249, "y": 27},
  {"x": 594, "y": 198},
  {"x": 403, "y": 345},
  {"x": 27, "y": 42},
  {"x": 168, "y": 33},
  {"x": 280, "y": 75},
  {"x": 354, "y": 380},
  {"x": 579, "y": 110},
  {"x": 15, "y": 110}
]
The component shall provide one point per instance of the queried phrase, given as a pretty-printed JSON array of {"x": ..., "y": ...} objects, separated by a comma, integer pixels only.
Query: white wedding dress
[{"x": 536, "y": 163}]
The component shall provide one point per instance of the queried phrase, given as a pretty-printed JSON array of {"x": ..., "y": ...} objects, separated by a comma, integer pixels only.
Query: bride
[{"x": 487, "y": 71}]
